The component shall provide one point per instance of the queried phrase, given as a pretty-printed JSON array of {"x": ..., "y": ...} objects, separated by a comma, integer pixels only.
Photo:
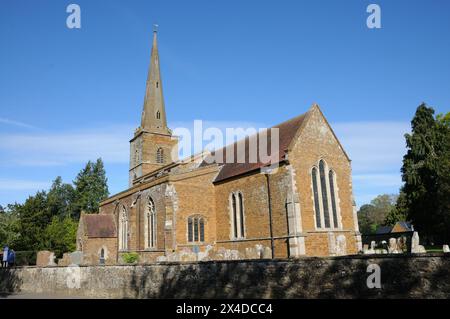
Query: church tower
[{"x": 153, "y": 145}]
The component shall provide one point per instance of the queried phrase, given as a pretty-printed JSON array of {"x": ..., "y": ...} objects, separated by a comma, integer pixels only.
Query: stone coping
[{"x": 275, "y": 260}]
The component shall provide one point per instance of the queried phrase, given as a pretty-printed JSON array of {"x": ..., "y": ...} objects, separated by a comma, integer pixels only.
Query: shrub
[
  {"x": 130, "y": 258},
  {"x": 26, "y": 258}
]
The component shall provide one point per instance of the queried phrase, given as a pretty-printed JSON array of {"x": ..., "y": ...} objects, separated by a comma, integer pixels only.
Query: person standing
[
  {"x": 11, "y": 258},
  {"x": 5, "y": 256}
]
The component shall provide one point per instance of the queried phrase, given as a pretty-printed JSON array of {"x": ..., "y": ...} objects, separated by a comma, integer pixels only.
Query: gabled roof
[
  {"x": 403, "y": 225},
  {"x": 287, "y": 132},
  {"x": 96, "y": 225}
]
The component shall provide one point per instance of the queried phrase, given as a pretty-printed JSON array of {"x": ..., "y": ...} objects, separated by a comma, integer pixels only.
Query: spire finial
[{"x": 155, "y": 28}]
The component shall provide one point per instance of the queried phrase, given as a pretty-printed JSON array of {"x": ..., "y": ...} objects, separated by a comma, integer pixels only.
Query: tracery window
[{"x": 325, "y": 197}]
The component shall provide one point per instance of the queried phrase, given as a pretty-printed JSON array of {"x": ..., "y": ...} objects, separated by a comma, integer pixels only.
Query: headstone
[
  {"x": 267, "y": 253},
  {"x": 445, "y": 249},
  {"x": 341, "y": 245},
  {"x": 251, "y": 253},
  {"x": 371, "y": 250},
  {"x": 161, "y": 258},
  {"x": 401, "y": 244},
  {"x": 65, "y": 260},
  {"x": 332, "y": 244},
  {"x": 76, "y": 258},
  {"x": 260, "y": 250},
  {"x": 365, "y": 248},
  {"x": 416, "y": 248},
  {"x": 205, "y": 255},
  {"x": 393, "y": 249},
  {"x": 45, "y": 258}
]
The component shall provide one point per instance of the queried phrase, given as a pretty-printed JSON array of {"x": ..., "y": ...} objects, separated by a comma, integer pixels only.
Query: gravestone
[
  {"x": 365, "y": 248},
  {"x": 76, "y": 258},
  {"x": 445, "y": 249},
  {"x": 371, "y": 250},
  {"x": 416, "y": 248},
  {"x": 402, "y": 246},
  {"x": 45, "y": 258},
  {"x": 65, "y": 260},
  {"x": 393, "y": 249},
  {"x": 341, "y": 245}
]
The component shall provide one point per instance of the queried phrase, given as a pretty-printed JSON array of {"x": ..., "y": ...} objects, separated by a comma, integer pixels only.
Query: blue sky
[{"x": 71, "y": 95}]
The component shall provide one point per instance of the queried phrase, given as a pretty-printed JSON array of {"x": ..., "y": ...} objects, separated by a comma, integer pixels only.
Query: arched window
[
  {"x": 102, "y": 253},
  {"x": 150, "y": 224},
  {"x": 234, "y": 216},
  {"x": 241, "y": 214},
  {"x": 323, "y": 187},
  {"x": 123, "y": 229},
  {"x": 333, "y": 198},
  {"x": 324, "y": 192},
  {"x": 160, "y": 156},
  {"x": 237, "y": 215},
  {"x": 158, "y": 115},
  {"x": 196, "y": 229},
  {"x": 316, "y": 197}
]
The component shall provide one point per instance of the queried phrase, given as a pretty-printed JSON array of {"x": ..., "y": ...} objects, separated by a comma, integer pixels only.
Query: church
[{"x": 200, "y": 208}]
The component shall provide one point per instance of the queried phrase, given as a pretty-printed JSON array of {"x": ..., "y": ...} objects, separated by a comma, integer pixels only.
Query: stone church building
[{"x": 198, "y": 209}]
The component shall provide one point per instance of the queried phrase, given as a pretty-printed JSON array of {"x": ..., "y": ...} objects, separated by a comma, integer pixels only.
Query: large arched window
[
  {"x": 150, "y": 224},
  {"x": 160, "y": 156},
  {"x": 196, "y": 229},
  {"x": 323, "y": 187},
  {"x": 316, "y": 197},
  {"x": 331, "y": 177},
  {"x": 325, "y": 196},
  {"x": 237, "y": 215},
  {"x": 123, "y": 229}
]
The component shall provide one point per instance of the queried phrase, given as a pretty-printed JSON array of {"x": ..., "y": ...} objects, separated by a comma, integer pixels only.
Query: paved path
[{"x": 37, "y": 296}]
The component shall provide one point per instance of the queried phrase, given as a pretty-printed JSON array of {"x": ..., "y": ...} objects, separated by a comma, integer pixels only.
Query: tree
[
  {"x": 34, "y": 216},
  {"x": 9, "y": 226},
  {"x": 90, "y": 188},
  {"x": 398, "y": 212},
  {"x": 60, "y": 235},
  {"x": 373, "y": 215},
  {"x": 425, "y": 173},
  {"x": 60, "y": 199}
]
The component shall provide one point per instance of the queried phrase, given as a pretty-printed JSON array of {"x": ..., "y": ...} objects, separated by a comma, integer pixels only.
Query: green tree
[
  {"x": 373, "y": 215},
  {"x": 34, "y": 216},
  {"x": 398, "y": 212},
  {"x": 60, "y": 199},
  {"x": 9, "y": 226},
  {"x": 90, "y": 188},
  {"x": 60, "y": 235},
  {"x": 425, "y": 173}
]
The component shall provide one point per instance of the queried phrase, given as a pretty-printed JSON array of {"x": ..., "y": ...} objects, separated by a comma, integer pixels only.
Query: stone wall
[{"x": 402, "y": 276}]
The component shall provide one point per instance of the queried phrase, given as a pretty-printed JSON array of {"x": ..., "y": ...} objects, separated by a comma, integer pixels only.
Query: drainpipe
[
  {"x": 269, "y": 200},
  {"x": 116, "y": 204},
  {"x": 138, "y": 219}
]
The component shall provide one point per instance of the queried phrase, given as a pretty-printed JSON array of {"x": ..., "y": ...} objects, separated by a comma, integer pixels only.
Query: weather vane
[{"x": 155, "y": 28}]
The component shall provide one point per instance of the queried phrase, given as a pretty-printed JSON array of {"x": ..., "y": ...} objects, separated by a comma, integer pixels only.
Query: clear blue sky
[{"x": 68, "y": 95}]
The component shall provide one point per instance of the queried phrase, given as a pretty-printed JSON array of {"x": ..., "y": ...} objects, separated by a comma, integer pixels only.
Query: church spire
[{"x": 154, "y": 113}]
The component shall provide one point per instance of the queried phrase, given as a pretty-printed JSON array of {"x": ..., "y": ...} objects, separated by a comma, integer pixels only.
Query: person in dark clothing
[{"x": 11, "y": 258}]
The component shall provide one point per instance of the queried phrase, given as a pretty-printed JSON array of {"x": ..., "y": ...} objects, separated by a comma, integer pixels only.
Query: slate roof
[
  {"x": 99, "y": 225},
  {"x": 384, "y": 230},
  {"x": 287, "y": 131},
  {"x": 406, "y": 225}
]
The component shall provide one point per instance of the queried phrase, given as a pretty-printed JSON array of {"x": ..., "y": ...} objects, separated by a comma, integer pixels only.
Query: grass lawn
[{"x": 433, "y": 249}]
